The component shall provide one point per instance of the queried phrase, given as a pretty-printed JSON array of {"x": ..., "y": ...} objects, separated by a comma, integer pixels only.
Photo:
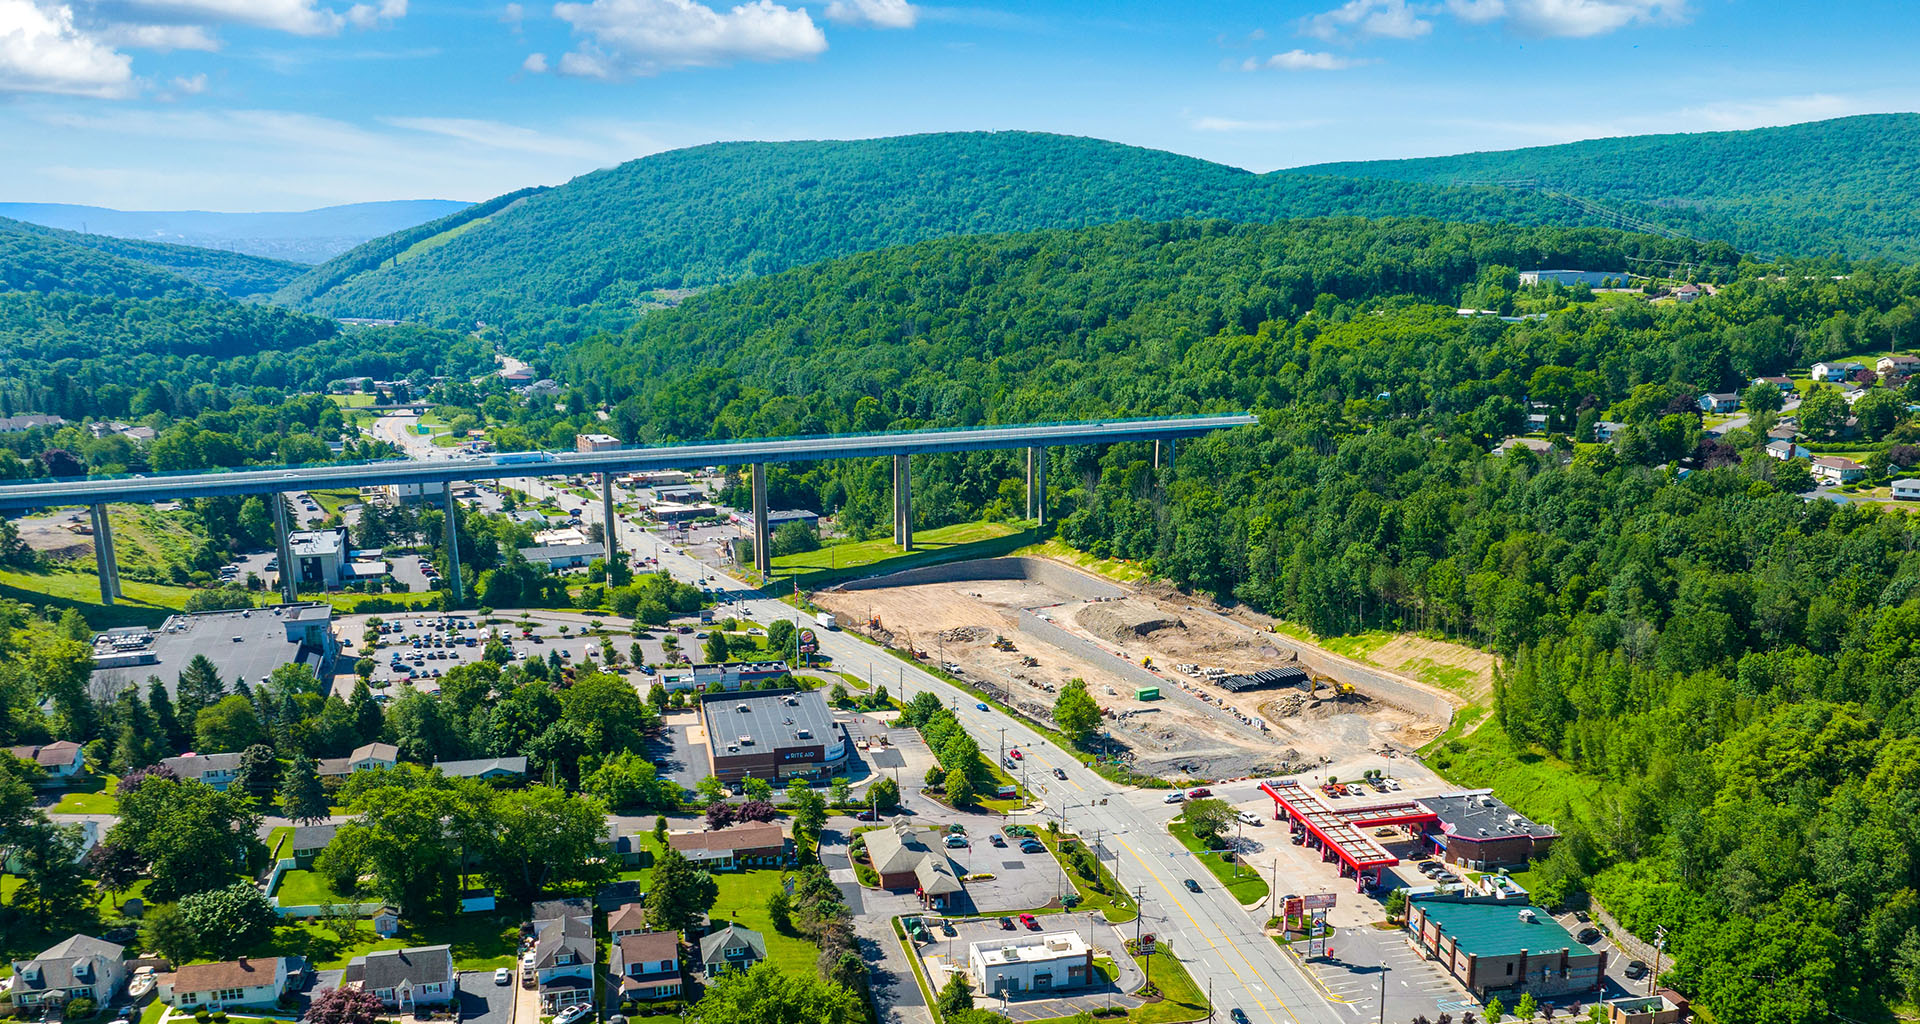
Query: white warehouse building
[{"x": 1043, "y": 963}]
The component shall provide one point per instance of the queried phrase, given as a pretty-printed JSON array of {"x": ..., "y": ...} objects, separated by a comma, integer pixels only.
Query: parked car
[
  {"x": 573, "y": 1014},
  {"x": 1032, "y": 923},
  {"x": 1006, "y": 923},
  {"x": 1588, "y": 936},
  {"x": 1192, "y": 886},
  {"x": 1174, "y": 797},
  {"x": 1581, "y": 916},
  {"x": 866, "y": 816},
  {"x": 996, "y": 840},
  {"x": 1636, "y": 969},
  {"x": 503, "y": 976},
  {"x": 1250, "y": 818},
  {"x": 956, "y": 842},
  {"x": 1199, "y": 791},
  {"x": 1032, "y": 846}
]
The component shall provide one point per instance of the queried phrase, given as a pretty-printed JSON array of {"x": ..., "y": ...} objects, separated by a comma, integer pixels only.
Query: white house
[
  {"x": 564, "y": 952},
  {"x": 1907, "y": 489},
  {"x": 1044, "y": 963},
  {"x": 365, "y": 758},
  {"x": 1835, "y": 371},
  {"x": 81, "y": 967},
  {"x": 61, "y": 760},
  {"x": 1785, "y": 450},
  {"x": 242, "y": 982},
  {"x": 1721, "y": 402},
  {"x": 1903, "y": 365},
  {"x": 648, "y": 965},
  {"x": 1834, "y": 470},
  {"x": 404, "y": 978},
  {"x": 216, "y": 770}
]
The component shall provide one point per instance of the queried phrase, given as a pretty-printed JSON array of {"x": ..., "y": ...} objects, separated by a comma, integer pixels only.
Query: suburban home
[
  {"x": 1835, "y": 470},
  {"x": 221, "y": 986},
  {"x": 216, "y": 770},
  {"x": 1901, "y": 365},
  {"x": 1786, "y": 450},
  {"x": 1686, "y": 293},
  {"x": 1835, "y": 371},
  {"x": 1907, "y": 489},
  {"x": 16, "y": 861},
  {"x": 648, "y": 965},
  {"x": 81, "y": 967},
  {"x": 306, "y": 842},
  {"x": 1719, "y": 402},
  {"x": 564, "y": 952},
  {"x": 365, "y": 758},
  {"x": 1604, "y": 430},
  {"x": 488, "y": 769},
  {"x": 61, "y": 760},
  {"x": 1785, "y": 384},
  {"x": 731, "y": 948},
  {"x": 908, "y": 858},
  {"x": 756, "y": 844},
  {"x": 404, "y": 978},
  {"x": 630, "y": 919}
]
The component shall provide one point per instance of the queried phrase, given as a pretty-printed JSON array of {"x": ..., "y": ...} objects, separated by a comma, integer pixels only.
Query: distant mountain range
[{"x": 308, "y": 236}]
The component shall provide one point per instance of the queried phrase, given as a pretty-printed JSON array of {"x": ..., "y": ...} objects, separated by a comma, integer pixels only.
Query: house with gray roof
[
  {"x": 912, "y": 858},
  {"x": 80, "y": 967},
  {"x": 216, "y": 770},
  {"x": 404, "y": 978},
  {"x": 564, "y": 952},
  {"x": 731, "y": 948},
  {"x": 490, "y": 769}
]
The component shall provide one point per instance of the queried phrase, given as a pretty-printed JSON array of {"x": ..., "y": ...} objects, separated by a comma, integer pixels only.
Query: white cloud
[
  {"x": 513, "y": 14},
  {"x": 192, "y": 85},
  {"x": 645, "y": 37},
  {"x": 1392, "y": 19},
  {"x": 1301, "y": 60},
  {"x": 536, "y": 63},
  {"x": 878, "y": 13},
  {"x": 41, "y": 50},
  {"x": 368, "y": 15},
  {"x": 164, "y": 38},
  {"x": 1230, "y": 125},
  {"x": 299, "y": 17},
  {"x": 1575, "y": 18}
]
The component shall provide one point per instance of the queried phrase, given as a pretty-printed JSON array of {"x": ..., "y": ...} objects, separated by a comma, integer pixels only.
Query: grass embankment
[
  {"x": 1113, "y": 903},
  {"x": 1180, "y": 998},
  {"x": 141, "y": 604},
  {"x": 1454, "y": 667},
  {"x": 353, "y": 401},
  {"x": 1244, "y": 884},
  {"x": 1536, "y": 783},
  {"x": 1119, "y": 570},
  {"x": 813, "y": 569}
]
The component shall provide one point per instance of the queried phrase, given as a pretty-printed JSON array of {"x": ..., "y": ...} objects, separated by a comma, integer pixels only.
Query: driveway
[{"x": 482, "y": 1001}]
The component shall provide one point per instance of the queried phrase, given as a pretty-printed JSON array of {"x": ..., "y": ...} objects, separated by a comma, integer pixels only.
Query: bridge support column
[
  {"x": 103, "y": 559},
  {"x": 903, "y": 501},
  {"x": 289, "y": 588},
  {"x": 1169, "y": 443},
  {"x": 453, "y": 543},
  {"x": 1037, "y": 485},
  {"x": 1156, "y": 454},
  {"x": 610, "y": 530},
  {"x": 762, "y": 529}
]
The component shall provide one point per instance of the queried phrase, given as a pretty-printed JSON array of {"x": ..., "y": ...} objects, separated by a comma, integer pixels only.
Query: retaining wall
[{"x": 1069, "y": 581}]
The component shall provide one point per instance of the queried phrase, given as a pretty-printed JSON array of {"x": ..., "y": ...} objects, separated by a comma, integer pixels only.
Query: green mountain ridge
[
  {"x": 604, "y": 246},
  {"x": 1839, "y": 187},
  {"x": 236, "y": 274}
]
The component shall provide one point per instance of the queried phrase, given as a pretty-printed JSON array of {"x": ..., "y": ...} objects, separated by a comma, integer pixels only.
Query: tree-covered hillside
[
  {"x": 236, "y": 274},
  {"x": 1720, "y": 669},
  {"x": 1844, "y": 186},
  {"x": 605, "y": 245}
]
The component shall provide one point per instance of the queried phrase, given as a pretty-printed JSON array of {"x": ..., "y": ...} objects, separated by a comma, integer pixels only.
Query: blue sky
[{"x": 291, "y": 104}]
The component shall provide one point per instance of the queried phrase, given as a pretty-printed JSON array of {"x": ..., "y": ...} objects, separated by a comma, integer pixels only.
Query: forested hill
[
  {"x": 1710, "y": 681},
  {"x": 604, "y": 245},
  {"x": 63, "y": 259},
  {"x": 1845, "y": 186}
]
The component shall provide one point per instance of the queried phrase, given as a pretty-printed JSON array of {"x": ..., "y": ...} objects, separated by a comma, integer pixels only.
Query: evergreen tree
[
  {"x": 366, "y": 712},
  {"x": 199, "y": 686},
  {"x": 259, "y": 771},
  {"x": 136, "y": 743},
  {"x": 302, "y": 798},
  {"x": 165, "y": 723}
]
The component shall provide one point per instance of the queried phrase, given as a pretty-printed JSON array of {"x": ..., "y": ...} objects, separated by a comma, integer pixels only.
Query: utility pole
[
  {"x": 1383, "y": 993},
  {"x": 1140, "y": 905},
  {"x": 1003, "y": 746}
]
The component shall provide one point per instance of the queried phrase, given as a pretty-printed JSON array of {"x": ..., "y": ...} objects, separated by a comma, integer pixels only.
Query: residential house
[
  {"x": 755, "y": 844},
  {"x": 564, "y": 952},
  {"x": 364, "y": 758},
  {"x": 1907, "y": 489},
  {"x": 629, "y": 919},
  {"x": 1785, "y": 384},
  {"x": 1903, "y": 366},
  {"x": 15, "y": 862},
  {"x": 404, "y": 978},
  {"x": 80, "y": 967},
  {"x": 61, "y": 760},
  {"x": 216, "y": 770},
  {"x": 487, "y": 769},
  {"x": 307, "y": 842},
  {"x": 1686, "y": 293},
  {"x": 1604, "y": 430},
  {"x": 1830, "y": 469},
  {"x": 223, "y": 986},
  {"x": 1719, "y": 402},
  {"x": 913, "y": 859},
  {"x": 731, "y": 948},
  {"x": 648, "y": 965},
  {"x": 1785, "y": 450},
  {"x": 1836, "y": 371}
]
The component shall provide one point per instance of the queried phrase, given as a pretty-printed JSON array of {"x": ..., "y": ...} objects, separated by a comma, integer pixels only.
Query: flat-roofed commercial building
[
  {"x": 244, "y": 644},
  {"x": 1481, "y": 833},
  {"x": 1031, "y": 963},
  {"x": 1497, "y": 949},
  {"x": 772, "y": 735},
  {"x": 595, "y": 443}
]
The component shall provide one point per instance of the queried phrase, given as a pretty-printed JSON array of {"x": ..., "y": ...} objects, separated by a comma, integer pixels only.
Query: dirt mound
[
  {"x": 964, "y": 634},
  {"x": 1123, "y": 622}
]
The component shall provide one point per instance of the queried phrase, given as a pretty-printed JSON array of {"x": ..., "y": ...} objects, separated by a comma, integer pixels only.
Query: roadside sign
[
  {"x": 1293, "y": 906},
  {"x": 1318, "y": 901},
  {"x": 808, "y": 642}
]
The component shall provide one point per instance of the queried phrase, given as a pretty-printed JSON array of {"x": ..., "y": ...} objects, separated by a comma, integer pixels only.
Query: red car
[
  {"x": 1197, "y": 793},
  {"x": 1029, "y": 920},
  {"x": 1014, "y": 753}
]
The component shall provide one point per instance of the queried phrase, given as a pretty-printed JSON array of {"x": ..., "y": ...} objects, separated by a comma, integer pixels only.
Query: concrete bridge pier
[
  {"x": 103, "y": 557},
  {"x": 903, "y": 501},
  {"x": 1037, "y": 485},
  {"x": 610, "y": 528},
  {"x": 762, "y": 529},
  {"x": 453, "y": 544},
  {"x": 289, "y": 587}
]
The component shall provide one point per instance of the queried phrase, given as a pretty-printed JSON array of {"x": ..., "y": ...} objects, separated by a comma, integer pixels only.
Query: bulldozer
[
  {"x": 1146, "y": 662},
  {"x": 1001, "y": 643},
  {"x": 1030, "y": 661}
]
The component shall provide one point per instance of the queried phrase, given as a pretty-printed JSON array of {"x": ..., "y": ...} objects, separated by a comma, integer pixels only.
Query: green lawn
[
  {"x": 743, "y": 897},
  {"x": 1117, "y": 908},
  {"x": 1244, "y": 884},
  {"x": 334, "y": 500},
  {"x": 95, "y": 796},
  {"x": 864, "y": 558},
  {"x": 1182, "y": 1000},
  {"x": 345, "y": 603},
  {"x": 142, "y": 604},
  {"x": 480, "y": 941},
  {"x": 1537, "y": 784},
  {"x": 353, "y": 401},
  {"x": 276, "y": 842},
  {"x": 306, "y": 888}
]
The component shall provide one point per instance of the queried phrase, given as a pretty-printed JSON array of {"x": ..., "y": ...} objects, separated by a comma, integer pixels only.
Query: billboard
[
  {"x": 1318, "y": 901},
  {"x": 1293, "y": 906},
  {"x": 809, "y": 643}
]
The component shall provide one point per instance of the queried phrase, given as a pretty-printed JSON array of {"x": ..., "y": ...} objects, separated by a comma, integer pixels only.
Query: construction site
[{"x": 1185, "y": 691}]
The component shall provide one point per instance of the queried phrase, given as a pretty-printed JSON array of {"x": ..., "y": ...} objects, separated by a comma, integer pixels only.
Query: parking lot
[
  {"x": 1020, "y": 881},
  {"x": 418, "y": 649},
  {"x": 482, "y": 1001}
]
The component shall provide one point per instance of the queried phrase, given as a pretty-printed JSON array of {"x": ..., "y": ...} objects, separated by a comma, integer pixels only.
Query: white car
[
  {"x": 503, "y": 976},
  {"x": 573, "y": 1014},
  {"x": 1175, "y": 797}
]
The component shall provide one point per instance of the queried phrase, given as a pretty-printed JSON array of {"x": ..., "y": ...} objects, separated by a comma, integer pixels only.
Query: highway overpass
[{"x": 901, "y": 446}]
